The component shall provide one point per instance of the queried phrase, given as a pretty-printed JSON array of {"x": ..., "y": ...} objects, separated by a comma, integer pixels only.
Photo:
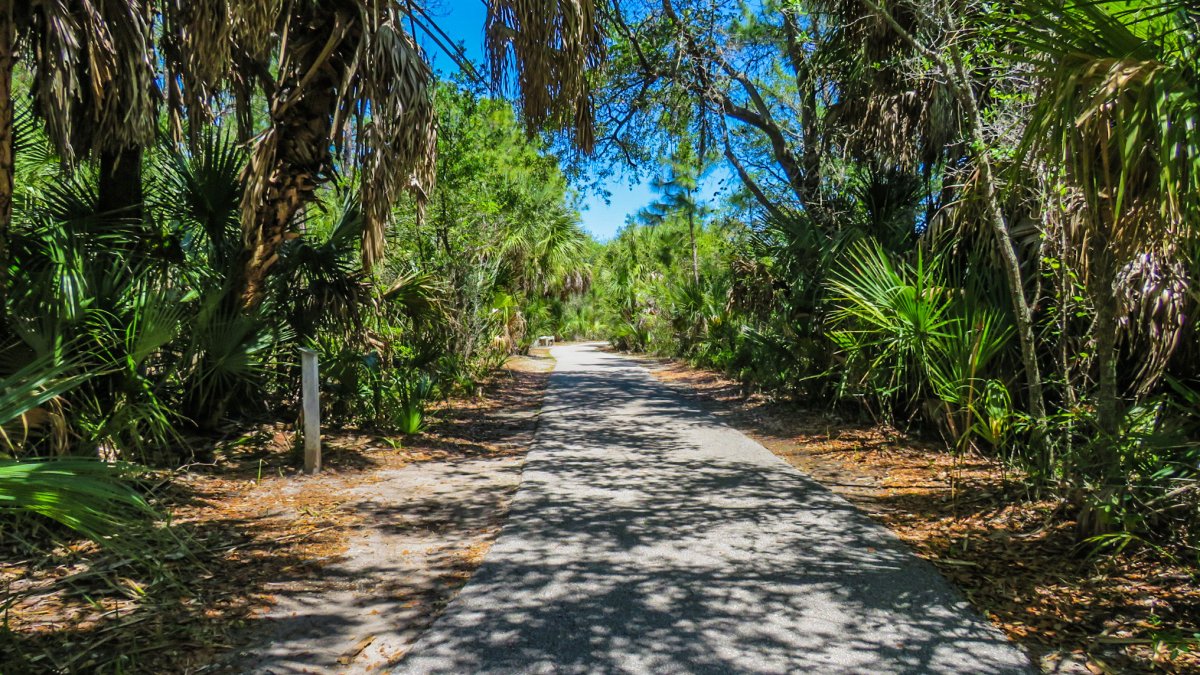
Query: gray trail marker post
[{"x": 310, "y": 391}]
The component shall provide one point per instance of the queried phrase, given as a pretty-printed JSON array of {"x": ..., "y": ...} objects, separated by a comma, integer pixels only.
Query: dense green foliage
[
  {"x": 974, "y": 221},
  {"x": 971, "y": 220},
  {"x": 139, "y": 341}
]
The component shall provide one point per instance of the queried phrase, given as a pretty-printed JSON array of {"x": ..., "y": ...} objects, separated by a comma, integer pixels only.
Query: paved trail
[{"x": 649, "y": 538}]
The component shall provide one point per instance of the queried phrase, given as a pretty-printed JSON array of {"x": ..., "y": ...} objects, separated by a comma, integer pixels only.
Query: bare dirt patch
[
  {"x": 1015, "y": 557},
  {"x": 284, "y": 572}
]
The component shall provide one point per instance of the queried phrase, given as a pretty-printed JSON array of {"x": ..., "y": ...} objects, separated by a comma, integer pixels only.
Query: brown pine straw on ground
[
  {"x": 253, "y": 522},
  {"x": 1015, "y": 558}
]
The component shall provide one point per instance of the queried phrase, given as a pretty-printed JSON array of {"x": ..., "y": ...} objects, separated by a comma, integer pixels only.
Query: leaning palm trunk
[
  {"x": 290, "y": 161},
  {"x": 346, "y": 65},
  {"x": 349, "y": 65}
]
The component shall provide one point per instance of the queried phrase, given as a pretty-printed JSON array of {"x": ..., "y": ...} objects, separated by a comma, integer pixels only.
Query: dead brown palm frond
[
  {"x": 892, "y": 106},
  {"x": 196, "y": 45},
  {"x": 551, "y": 45},
  {"x": 752, "y": 287},
  {"x": 352, "y": 81},
  {"x": 253, "y": 22},
  {"x": 208, "y": 47},
  {"x": 399, "y": 145},
  {"x": 93, "y": 73},
  {"x": 1156, "y": 303}
]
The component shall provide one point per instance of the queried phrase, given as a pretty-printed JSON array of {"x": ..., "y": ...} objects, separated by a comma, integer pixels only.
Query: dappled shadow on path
[
  {"x": 649, "y": 538},
  {"x": 419, "y": 530}
]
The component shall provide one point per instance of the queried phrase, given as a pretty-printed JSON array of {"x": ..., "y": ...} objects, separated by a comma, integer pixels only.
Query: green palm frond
[
  {"x": 419, "y": 294},
  {"x": 1121, "y": 105},
  {"x": 205, "y": 187},
  {"x": 89, "y": 496},
  {"x": 888, "y": 315}
]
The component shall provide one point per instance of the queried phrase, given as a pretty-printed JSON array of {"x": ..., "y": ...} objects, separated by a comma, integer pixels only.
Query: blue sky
[{"x": 463, "y": 21}]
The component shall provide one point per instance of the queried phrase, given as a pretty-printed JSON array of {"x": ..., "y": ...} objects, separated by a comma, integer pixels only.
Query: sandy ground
[{"x": 418, "y": 533}]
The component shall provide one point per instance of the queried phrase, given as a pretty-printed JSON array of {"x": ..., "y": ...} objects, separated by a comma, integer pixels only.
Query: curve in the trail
[{"x": 647, "y": 537}]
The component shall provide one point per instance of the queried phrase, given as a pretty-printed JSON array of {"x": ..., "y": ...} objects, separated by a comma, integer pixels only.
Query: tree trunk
[
  {"x": 290, "y": 161},
  {"x": 273, "y": 220},
  {"x": 1108, "y": 403},
  {"x": 293, "y": 156},
  {"x": 120, "y": 184},
  {"x": 7, "y": 149},
  {"x": 243, "y": 113},
  {"x": 692, "y": 235},
  {"x": 1012, "y": 268}
]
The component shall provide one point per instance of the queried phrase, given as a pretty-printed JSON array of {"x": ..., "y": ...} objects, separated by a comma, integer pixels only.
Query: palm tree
[
  {"x": 349, "y": 80},
  {"x": 343, "y": 67},
  {"x": 349, "y": 66},
  {"x": 952, "y": 66},
  {"x": 95, "y": 71},
  {"x": 1120, "y": 110},
  {"x": 91, "y": 64}
]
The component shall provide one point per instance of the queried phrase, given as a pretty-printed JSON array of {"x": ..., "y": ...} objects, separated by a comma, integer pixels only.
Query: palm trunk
[
  {"x": 1107, "y": 326},
  {"x": 273, "y": 220},
  {"x": 120, "y": 183},
  {"x": 1108, "y": 404},
  {"x": 1104, "y": 456},
  {"x": 7, "y": 149},
  {"x": 291, "y": 160}
]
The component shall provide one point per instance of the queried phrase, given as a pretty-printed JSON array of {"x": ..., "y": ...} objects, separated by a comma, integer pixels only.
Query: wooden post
[{"x": 311, "y": 394}]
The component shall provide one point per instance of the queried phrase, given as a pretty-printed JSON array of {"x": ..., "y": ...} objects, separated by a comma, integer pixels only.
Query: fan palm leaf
[{"x": 89, "y": 496}]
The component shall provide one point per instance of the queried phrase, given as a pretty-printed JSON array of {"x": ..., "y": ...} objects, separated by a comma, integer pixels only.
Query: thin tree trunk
[
  {"x": 443, "y": 225},
  {"x": 1012, "y": 265},
  {"x": 7, "y": 148},
  {"x": 1106, "y": 328},
  {"x": 692, "y": 235}
]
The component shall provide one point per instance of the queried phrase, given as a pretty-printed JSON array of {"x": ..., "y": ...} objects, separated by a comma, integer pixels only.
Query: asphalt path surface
[{"x": 647, "y": 537}]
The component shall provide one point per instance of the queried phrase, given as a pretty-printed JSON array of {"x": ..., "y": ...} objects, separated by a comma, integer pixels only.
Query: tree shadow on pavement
[{"x": 647, "y": 537}]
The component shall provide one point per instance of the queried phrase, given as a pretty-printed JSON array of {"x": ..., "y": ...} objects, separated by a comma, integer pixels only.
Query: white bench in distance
[{"x": 545, "y": 341}]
